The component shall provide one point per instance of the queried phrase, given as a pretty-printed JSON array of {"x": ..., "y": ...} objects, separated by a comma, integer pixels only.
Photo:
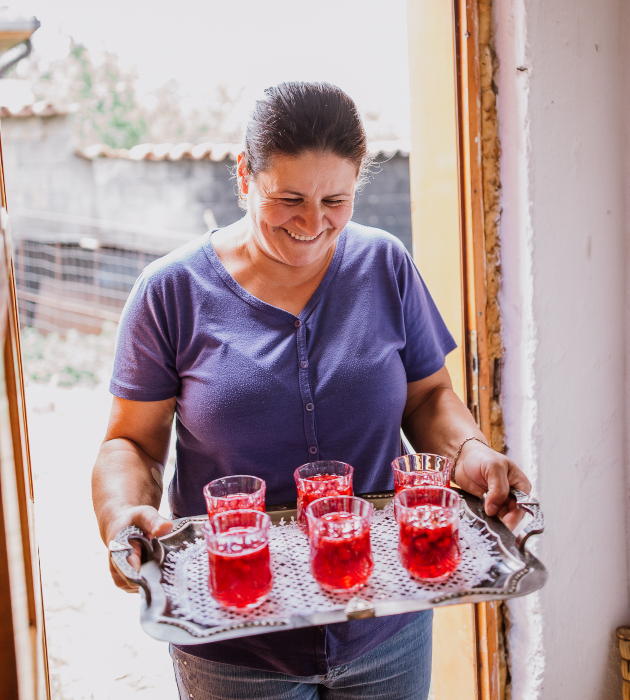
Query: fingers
[
  {"x": 513, "y": 516},
  {"x": 484, "y": 472},
  {"x": 119, "y": 580},
  {"x": 147, "y": 519},
  {"x": 133, "y": 559},
  {"x": 519, "y": 480},
  {"x": 476, "y": 486},
  {"x": 498, "y": 488}
]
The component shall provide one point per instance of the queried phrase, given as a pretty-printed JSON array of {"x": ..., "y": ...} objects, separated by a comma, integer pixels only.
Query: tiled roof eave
[
  {"x": 37, "y": 109},
  {"x": 209, "y": 151}
]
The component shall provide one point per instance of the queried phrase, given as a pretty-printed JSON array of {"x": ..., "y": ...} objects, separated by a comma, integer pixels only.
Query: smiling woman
[
  {"x": 305, "y": 155},
  {"x": 292, "y": 336},
  {"x": 296, "y": 212}
]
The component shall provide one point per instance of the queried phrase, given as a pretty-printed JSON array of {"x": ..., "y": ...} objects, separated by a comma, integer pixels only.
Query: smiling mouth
[{"x": 299, "y": 237}]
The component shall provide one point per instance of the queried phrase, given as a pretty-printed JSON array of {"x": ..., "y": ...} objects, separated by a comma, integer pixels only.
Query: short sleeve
[
  {"x": 145, "y": 359},
  {"x": 427, "y": 339}
]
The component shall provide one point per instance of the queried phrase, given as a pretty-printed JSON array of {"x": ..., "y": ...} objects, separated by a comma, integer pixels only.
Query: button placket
[{"x": 306, "y": 391}]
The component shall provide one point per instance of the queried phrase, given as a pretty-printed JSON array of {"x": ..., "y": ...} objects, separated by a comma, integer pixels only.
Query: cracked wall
[{"x": 491, "y": 154}]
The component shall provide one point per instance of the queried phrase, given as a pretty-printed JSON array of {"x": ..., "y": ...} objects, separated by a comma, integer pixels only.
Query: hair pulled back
[{"x": 295, "y": 117}]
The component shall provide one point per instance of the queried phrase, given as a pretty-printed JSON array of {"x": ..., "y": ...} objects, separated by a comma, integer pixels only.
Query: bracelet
[{"x": 459, "y": 451}]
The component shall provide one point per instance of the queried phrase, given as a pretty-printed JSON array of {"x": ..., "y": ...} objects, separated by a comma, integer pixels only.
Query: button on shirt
[{"x": 260, "y": 388}]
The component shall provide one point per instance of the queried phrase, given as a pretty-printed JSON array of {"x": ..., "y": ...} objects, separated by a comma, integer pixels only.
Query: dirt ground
[{"x": 97, "y": 649}]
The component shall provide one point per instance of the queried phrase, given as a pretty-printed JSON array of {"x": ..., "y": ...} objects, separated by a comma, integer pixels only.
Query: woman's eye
[
  {"x": 291, "y": 201},
  {"x": 334, "y": 202}
]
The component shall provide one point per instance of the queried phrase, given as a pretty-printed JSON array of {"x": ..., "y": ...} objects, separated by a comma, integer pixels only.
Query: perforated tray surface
[{"x": 177, "y": 607}]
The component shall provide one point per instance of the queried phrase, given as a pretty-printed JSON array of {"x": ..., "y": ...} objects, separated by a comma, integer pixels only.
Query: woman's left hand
[
  {"x": 481, "y": 470},
  {"x": 435, "y": 420}
]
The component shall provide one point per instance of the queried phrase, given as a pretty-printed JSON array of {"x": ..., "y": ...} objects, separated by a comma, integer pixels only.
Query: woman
[{"x": 290, "y": 336}]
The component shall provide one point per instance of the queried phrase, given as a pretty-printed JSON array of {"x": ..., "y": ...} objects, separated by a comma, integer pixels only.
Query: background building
[{"x": 85, "y": 223}]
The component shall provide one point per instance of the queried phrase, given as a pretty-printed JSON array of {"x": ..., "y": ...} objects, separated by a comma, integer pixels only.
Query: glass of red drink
[
  {"x": 339, "y": 535},
  {"x": 235, "y": 493},
  {"x": 421, "y": 469},
  {"x": 238, "y": 554},
  {"x": 428, "y": 520},
  {"x": 319, "y": 480}
]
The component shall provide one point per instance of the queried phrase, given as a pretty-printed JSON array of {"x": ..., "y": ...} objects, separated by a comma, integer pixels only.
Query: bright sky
[{"x": 360, "y": 45}]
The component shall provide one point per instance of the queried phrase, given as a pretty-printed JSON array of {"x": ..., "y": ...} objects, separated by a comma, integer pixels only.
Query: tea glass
[
  {"x": 237, "y": 542},
  {"x": 421, "y": 469},
  {"x": 339, "y": 536},
  {"x": 321, "y": 479},
  {"x": 235, "y": 493},
  {"x": 428, "y": 521}
]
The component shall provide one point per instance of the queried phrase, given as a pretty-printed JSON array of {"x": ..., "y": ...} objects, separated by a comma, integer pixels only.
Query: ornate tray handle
[
  {"x": 120, "y": 548},
  {"x": 537, "y": 525}
]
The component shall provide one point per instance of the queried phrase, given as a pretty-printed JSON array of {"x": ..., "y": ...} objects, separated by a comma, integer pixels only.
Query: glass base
[
  {"x": 338, "y": 591},
  {"x": 243, "y": 608},
  {"x": 436, "y": 579}
]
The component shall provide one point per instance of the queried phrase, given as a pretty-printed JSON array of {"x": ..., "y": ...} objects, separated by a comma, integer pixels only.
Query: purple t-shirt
[{"x": 260, "y": 391}]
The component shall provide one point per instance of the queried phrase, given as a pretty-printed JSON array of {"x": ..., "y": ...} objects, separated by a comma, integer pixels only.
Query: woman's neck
[{"x": 285, "y": 286}]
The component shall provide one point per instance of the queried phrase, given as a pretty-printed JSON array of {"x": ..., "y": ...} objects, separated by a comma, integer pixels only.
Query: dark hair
[{"x": 293, "y": 118}]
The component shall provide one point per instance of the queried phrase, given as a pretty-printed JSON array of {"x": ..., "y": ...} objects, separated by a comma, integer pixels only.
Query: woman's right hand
[
  {"x": 150, "y": 522},
  {"x": 127, "y": 476}
]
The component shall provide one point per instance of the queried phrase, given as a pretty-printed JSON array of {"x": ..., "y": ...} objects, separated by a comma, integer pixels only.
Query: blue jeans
[{"x": 398, "y": 669}]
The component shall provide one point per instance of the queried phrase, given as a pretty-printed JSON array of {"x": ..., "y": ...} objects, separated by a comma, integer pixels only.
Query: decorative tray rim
[{"x": 524, "y": 574}]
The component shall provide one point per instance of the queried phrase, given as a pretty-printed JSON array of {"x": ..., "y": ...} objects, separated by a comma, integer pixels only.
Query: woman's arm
[
  {"x": 127, "y": 476},
  {"x": 436, "y": 421}
]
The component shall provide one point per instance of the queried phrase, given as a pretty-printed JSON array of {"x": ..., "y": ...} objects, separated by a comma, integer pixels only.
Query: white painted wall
[{"x": 564, "y": 233}]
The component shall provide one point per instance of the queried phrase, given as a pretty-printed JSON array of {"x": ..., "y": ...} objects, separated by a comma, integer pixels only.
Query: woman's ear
[{"x": 242, "y": 174}]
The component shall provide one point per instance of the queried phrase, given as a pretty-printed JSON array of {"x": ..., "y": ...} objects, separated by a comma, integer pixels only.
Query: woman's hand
[
  {"x": 150, "y": 522},
  {"x": 436, "y": 421},
  {"x": 127, "y": 476},
  {"x": 480, "y": 470}
]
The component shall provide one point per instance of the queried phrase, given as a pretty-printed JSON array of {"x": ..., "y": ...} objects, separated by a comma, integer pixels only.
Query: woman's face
[{"x": 300, "y": 205}]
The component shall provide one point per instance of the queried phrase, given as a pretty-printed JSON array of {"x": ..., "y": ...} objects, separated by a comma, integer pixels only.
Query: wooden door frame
[
  {"x": 474, "y": 184},
  {"x": 24, "y": 660},
  {"x": 448, "y": 185}
]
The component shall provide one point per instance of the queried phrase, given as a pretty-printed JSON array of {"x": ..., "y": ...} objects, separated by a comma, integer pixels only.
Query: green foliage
[
  {"x": 107, "y": 109},
  {"x": 78, "y": 359}
]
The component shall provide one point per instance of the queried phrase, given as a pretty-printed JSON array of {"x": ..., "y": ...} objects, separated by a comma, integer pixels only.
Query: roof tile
[{"x": 208, "y": 151}]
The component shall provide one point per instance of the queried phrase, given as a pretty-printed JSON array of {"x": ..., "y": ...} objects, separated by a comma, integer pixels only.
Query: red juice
[
  {"x": 405, "y": 480},
  {"x": 341, "y": 554},
  {"x": 235, "y": 501},
  {"x": 429, "y": 544},
  {"x": 240, "y": 572},
  {"x": 319, "y": 486}
]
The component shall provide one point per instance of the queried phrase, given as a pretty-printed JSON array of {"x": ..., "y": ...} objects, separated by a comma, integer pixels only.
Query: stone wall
[
  {"x": 42, "y": 171},
  {"x": 44, "y": 174}
]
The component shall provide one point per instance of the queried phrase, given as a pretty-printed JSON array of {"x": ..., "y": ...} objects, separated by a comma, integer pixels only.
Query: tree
[{"x": 107, "y": 109}]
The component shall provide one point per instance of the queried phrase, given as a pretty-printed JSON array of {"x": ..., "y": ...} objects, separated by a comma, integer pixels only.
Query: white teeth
[{"x": 300, "y": 238}]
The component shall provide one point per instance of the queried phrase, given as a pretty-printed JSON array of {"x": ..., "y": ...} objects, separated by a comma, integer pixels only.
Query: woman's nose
[{"x": 310, "y": 220}]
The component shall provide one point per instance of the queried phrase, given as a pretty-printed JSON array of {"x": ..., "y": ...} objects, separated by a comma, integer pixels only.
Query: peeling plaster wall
[
  {"x": 491, "y": 154},
  {"x": 564, "y": 300}
]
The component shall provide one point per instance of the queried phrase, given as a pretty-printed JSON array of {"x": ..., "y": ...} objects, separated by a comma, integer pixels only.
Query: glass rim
[
  {"x": 447, "y": 461},
  {"x": 427, "y": 487},
  {"x": 206, "y": 488},
  {"x": 362, "y": 501},
  {"x": 348, "y": 467},
  {"x": 249, "y": 511}
]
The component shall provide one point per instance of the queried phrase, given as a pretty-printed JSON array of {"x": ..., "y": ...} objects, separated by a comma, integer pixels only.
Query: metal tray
[{"x": 516, "y": 573}]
